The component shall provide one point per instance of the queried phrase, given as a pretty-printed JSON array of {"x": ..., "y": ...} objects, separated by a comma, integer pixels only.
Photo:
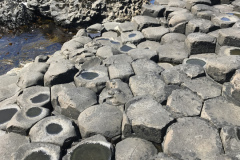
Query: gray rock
[
  {"x": 73, "y": 101},
  {"x": 217, "y": 111},
  {"x": 153, "y": 10},
  {"x": 165, "y": 66},
  {"x": 192, "y": 138},
  {"x": 149, "y": 45},
  {"x": 37, "y": 150},
  {"x": 110, "y": 26},
  {"x": 94, "y": 78},
  {"x": 81, "y": 32},
  {"x": 148, "y": 84},
  {"x": 191, "y": 3},
  {"x": 10, "y": 142},
  {"x": 154, "y": 33},
  {"x": 204, "y": 87},
  {"x": 144, "y": 22},
  {"x": 126, "y": 27},
  {"x": 55, "y": 129},
  {"x": 134, "y": 37},
  {"x": 197, "y": 43},
  {"x": 116, "y": 93},
  {"x": 7, "y": 112},
  {"x": 117, "y": 59},
  {"x": 162, "y": 156},
  {"x": 205, "y": 14},
  {"x": 224, "y": 20},
  {"x": 152, "y": 123},
  {"x": 120, "y": 71},
  {"x": 95, "y": 27},
  {"x": 179, "y": 18},
  {"x": 142, "y": 66},
  {"x": 93, "y": 120},
  {"x": 35, "y": 96},
  {"x": 139, "y": 53},
  {"x": 229, "y": 37},
  {"x": 124, "y": 49},
  {"x": 198, "y": 8},
  {"x": 199, "y": 25},
  {"x": 173, "y": 37},
  {"x": 41, "y": 58},
  {"x": 110, "y": 34},
  {"x": 91, "y": 62},
  {"x": 24, "y": 119},
  {"x": 134, "y": 148},
  {"x": 183, "y": 102}
]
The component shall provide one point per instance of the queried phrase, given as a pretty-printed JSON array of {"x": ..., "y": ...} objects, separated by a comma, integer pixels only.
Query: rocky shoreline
[{"x": 162, "y": 86}]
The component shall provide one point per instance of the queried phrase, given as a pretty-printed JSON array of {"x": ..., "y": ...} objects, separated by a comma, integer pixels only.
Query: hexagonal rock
[
  {"x": 198, "y": 8},
  {"x": 117, "y": 59},
  {"x": 73, "y": 101},
  {"x": 94, "y": 78},
  {"x": 204, "y": 87},
  {"x": 154, "y": 33},
  {"x": 173, "y": 37},
  {"x": 126, "y": 27},
  {"x": 221, "y": 112},
  {"x": 24, "y": 119},
  {"x": 192, "y": 138},
  {"x": 172, "y": 52},
  {"x": 199, "y": 25},
  {"x": 105, "y": 52},
  {"x": 183, "y": 102},
  {"x": 134, "y": 148},
  {"x": 139, "y": 53},
  {"x": 10, "y": 142},
  {"x": 37, "y": 150},
  {"x": 6, "y": 114},
  {"x": 35, "y": 96},
  {"x": 149, "y": 45},
  {"x": 153, "y": 10},
  {"x": 120, "y": 71},
  {"x": 180, "y": 18},
  {"x": 222, "y": 68},
  {"x": 229, "y": 37},
  {"x": 8, "y": 86},
  {"x": 162, "y": 156},
  {"x": 55, "y": 129},
  {"x": 191, "y": 3},
  {"x": 152, "y": 123},
  {"x": 116, "y": 93},
  {"x": 197, "y": 43},
  {"x": 224, "y": 20},
  {"x": 148, "y": 84},
  {"x": 75, "y": 43},
  {"x": 95, "y": 147},
  {"x": 230, "y": 140},
  {"x": 134, "y": 37},
  {"x": 142, "y": 66},
  {"x": 100, "y": 119},
  {"x": 61, "y": 71},
  {"x": 144, "y": 22}
]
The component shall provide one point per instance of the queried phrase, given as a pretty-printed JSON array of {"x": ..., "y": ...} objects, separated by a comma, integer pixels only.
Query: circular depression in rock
[
  {"x": 40, "y": 155},
  {"x": 33, "y": 112},
  {"x": 132, "y": 35},
  {"x": 7, "y": 114},
  {"x": 125, "y": 48},
  {"x": 196, "y": 62},
  {"x": 225, "y": 19},
  {"x": 113, "y": 42},
  {"x": 235, "y": 52},
  {"x": 54, "y": 128},
  {"x": 91, "y": 152},
  {"x": 40, "y": 98},
  {"x": 89, "y": 75}
]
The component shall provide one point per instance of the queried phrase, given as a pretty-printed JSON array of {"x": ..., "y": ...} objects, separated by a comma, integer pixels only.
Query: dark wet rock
[
  {"x": 173, "y": 37},
  {"x": 59, "y": 72},
  {"x": 199, "y": 25},
  {"x": 142, "y": 66},
  {"x": 222, "y": 68},
  {"x": 230, "y": 140},
  {"x": 183, "y": 102},
  {"x": 217, "y": 111},
  {"x": 120, "y": 71},
  {"x": 152, "y": 123},
  {"x": 116, "y": 93},
  {"x": 224, "y": 20},
  {"x": 41, "y": 58},
  {"x": 139, "y": 53},
  {"x": 229, "y": 37},
  {"x": 152, "y": 45},
  {"x": 134, "y": 37},
  {"x": 24, "y": 119},
  {"x": 153, "y": 10},
  {"x": 134, "y": 148},
  {"x": 162, "y": 156},
  {"x": 191, "y": 3},
  {"x": 126, "y": 27},
  {"x": 197, "y": 43},
  {"x": 154, "y": 33},
  {"x": 36, "y": 96},
  {"x": 10, "y": 142},
  {"x": 192, "y": 138},
  {"x": 204, "y": 87},
  {"x": 37, "y": 151},
  {"x": 6, "y": 114},
  {"x": 93, "y": 120},
  {"x": 55, "y": 129},
  {"x": 94, "y": 78},
  {"x": 73, "y": 101},
  {"x": 144, "y": 22},
  {"x": 148, "y": 84}
]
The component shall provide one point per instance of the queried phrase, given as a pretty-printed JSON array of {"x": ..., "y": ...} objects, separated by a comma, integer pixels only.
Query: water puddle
[
  {"x": 89, "y": 75},
  {"x": 152, "y": 1},
  {"x": 225, "y": 19},
  {"x": 132, "y": 35},
  {"x": 93, "y": 34},
  {"x": 235, "y": 52},
  {"x": 40, "y": 155},
  {"x": 40, "y": 98},
  {"x": 7, "y": 114},
  {"x": 33, "y": 112},
  {"x": 114, "y": 42},
  {"x": 54, "y": 128},
  {"x": 196, "y": 62},
  {"x": 125, "y": 48}
]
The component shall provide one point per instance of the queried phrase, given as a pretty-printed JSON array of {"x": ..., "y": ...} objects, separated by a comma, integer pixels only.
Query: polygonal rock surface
[
  {"x": 118, "y": 59},
  {"x": 218, "y": 111},
  {"x": 147, "y": 117},
  {"x": 73, "y": 101},
  {"x": 142, "y": 66},
  {"x": 153, "y": 10},
  {"x": 204, "y": 87},
  {"x": 229, "y": 37},
  {"x": 134, "y": 37},
  {"x": 162, "y": 156},
  {"x": 55, "y": 129},
  {"x": 192, "y": 138},
  {"x": 139, "y": 53},
  {"x": 149, "y": 45},
  {"x": 154, "y": 33},
  {"x": 25, "y": 118},
  {"x": 179, "y": 19},
  {"x": 6, "y": 114},
  {"x": 126, "y": 27},
  {"x": 184, "y": 102},
  {"x": 173, "y": 37},
  {"x": 134, "y": 148},
  {"x": 35, "y": 96},
  {"x": 190, "y": 3},
  {"x": 199, "y": 25},
  {"x": 37, "y": 151},
  {"x": 148, "y": 84},
  {"x": 100, "y": 119},
  {"x": 145, "y": 21},
  {"x": 120, "y": 71},
  {"x": 224, "y": 20}
]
